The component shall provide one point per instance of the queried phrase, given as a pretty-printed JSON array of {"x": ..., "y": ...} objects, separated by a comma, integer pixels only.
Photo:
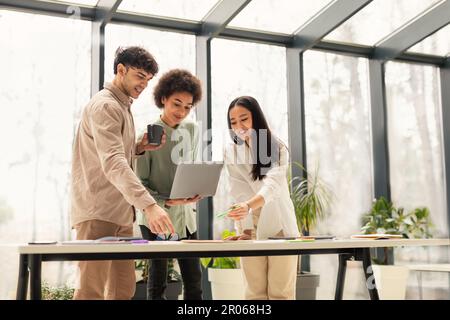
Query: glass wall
[
  {"x": 417, "y": 163},
  {"x": 44, "y": 85},
  {"x": 415, "y": 140},
  {"x": 338, "y": 145}
]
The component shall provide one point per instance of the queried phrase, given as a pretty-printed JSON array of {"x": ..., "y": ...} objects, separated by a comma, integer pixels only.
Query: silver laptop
[{"x": 195, "y": 178}]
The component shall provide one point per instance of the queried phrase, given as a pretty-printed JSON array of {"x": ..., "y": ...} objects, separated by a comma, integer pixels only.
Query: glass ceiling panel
[
  {"x": 378, "y": 19},
  {"x": 281, "y": 16},
  {"x": 89, "y": 3},
  {"x": 181, "y": 9},
  {"x": 438, "y": 43}
]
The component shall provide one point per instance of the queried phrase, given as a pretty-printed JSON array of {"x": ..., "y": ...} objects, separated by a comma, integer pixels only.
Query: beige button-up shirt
[{"x": 104, "y": 186}]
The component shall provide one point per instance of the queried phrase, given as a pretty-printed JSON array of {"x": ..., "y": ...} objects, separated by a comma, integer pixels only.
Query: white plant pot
[
  {"x": 391, "y": 281},
  {"x": 226, "y": 284}
]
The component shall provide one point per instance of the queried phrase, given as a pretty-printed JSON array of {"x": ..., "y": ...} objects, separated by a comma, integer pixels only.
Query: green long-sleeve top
[{"x": 156, "y": 169}]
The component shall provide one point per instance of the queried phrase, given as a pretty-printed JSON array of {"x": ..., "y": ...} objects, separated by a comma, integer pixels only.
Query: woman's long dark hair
[{"x": 269, "y": 149}]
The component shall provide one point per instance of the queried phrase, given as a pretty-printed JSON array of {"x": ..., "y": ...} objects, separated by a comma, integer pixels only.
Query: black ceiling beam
[
  {"x": 343, "y": 48},
  {"x": 154, "y": 22},
  {"x": 105, "y": 10},
  {"x": 220, "y": 15},
  {"x": 413, "y": 32},
  {"x": 327, "y": 20},
  {"x": 421, "y": 58},
  {"x": 256, "y": 36}
]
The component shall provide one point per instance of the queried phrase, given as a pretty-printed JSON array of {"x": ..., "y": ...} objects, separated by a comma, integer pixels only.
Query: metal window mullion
[
  {"x": 203, "y": 112},
  {"x": 97, "y": 57},
  {"x": 296, "y": 122},
  {"x": 445, "y": 100},
  {"x": 205, "y": 217},
  {"x": 103, "y": 14},
  {"x": 380, "y": 147},
  {"x": 296, "y": 110}
]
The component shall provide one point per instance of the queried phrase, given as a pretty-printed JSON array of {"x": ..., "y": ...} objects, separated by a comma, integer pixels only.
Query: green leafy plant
[
  {"x": 311, "y": 198},
  {"x": 384, "y": 217},
  {"x": 222, "y": 262},
  {"x": 56, "y": 293},
  {"x": 143, "y": 266},
  {"x": 172, "y": 274}
]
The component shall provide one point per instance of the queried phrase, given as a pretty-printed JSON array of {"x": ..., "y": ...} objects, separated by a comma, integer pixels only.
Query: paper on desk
[
  {"x": 203, "y": 241},
  {"x": 376, "y": 236},
  {"x": 78, "y": 242}
]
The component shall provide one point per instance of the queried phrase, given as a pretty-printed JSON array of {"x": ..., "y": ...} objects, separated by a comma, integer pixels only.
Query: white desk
[{"x": 32, "y": 256}]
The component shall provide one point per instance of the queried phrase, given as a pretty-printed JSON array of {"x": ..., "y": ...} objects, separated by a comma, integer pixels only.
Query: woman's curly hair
[{"x": 177, "y": 80}]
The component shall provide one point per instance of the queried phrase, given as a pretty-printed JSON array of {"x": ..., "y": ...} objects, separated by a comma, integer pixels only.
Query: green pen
[{"x": 223, "y": 214}]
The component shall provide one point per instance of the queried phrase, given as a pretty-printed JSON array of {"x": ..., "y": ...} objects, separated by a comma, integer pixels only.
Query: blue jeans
[{"x": 191, "y": 273}]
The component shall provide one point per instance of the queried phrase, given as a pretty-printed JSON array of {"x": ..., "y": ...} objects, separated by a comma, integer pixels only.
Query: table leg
[
  {"x": 22, "y": 283},
  {"x": 368, "y": 273},
  {"x": 35, "y": 261},
  {"x": 449, "y": 285},
  {"x": 419, "y": 280},
  {"x": 341, "y": 276}
]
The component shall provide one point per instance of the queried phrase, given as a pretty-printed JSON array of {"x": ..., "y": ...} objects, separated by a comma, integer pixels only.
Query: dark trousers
[{"x": 191, "y": 273}]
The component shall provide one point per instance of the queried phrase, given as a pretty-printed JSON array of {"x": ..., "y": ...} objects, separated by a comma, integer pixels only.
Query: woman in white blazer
[{"x": 256, "y": 163}]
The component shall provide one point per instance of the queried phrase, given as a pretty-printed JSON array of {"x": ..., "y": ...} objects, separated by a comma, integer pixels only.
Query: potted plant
[
  {"x": 311, "y": 198},
  {"x": 225, "y": 275},
  {"x": 56, "y": 293},
  {"x": 174, "y": 281},
  {"x": 141, "y": 270},
  {"x": 384, "y": 217}
]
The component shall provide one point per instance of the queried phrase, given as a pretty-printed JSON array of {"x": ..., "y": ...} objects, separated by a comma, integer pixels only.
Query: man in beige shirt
[{"x": 105, "y": 190}]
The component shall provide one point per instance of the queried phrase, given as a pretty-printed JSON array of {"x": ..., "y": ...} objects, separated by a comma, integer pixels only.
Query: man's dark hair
[
  {"x": 177, "y": 80},
  {"x": 136, "y": 57}
]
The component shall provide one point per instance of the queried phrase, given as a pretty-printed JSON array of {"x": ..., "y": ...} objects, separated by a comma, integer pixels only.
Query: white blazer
[{"x": 278, "y": 213}]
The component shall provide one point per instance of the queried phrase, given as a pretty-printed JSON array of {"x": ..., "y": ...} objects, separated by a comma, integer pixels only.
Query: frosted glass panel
[
  {"x": 44, "y": 86},
  {"x": 182, "y": 9},
  {"x": 338, "y": 142},
  {"x": 378, "y": 19},
  {"x": 415, "y": 139},
  {"x": 438, "y": 43},
  {"x": 416, "y": 162},
  {"x": 284, "y": 16}
]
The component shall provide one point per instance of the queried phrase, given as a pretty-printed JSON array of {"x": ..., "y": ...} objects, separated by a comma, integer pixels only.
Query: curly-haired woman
[{"x": 176, "y": 94}]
